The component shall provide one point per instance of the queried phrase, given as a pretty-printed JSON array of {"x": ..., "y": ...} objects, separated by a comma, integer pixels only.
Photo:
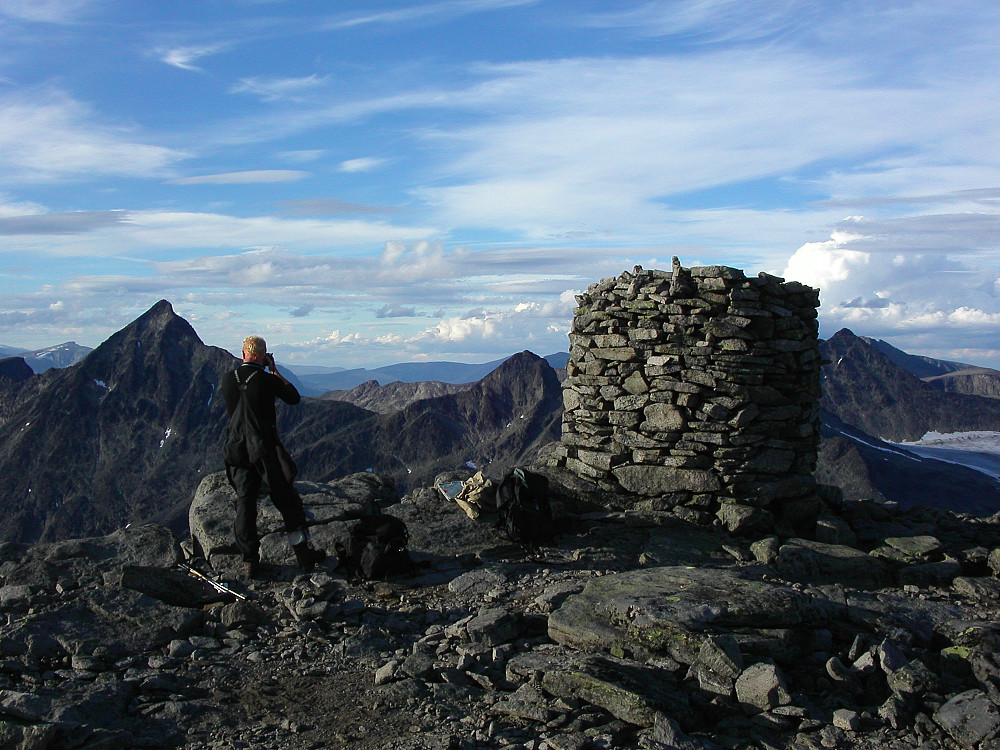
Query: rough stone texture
[
  {"x": 969, "y": 717},
  {"x": 762, "y": 687},
  {"x": 699, "y": 381},
  {"x": 674, "y": 610},
  {"x": 329, "y": 507}
]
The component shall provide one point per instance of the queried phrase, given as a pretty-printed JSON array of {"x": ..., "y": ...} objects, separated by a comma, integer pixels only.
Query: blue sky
[{"x": 372, "y": 182}]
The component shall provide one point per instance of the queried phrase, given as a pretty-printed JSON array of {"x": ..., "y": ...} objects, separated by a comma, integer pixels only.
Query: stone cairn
[{"x": 697, "y": 388}]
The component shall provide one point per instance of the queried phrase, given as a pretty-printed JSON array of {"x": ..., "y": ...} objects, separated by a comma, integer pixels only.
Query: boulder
[
  {"x": 817, "y": 562},
  {"x": 328, "y": 507},
  {"x": 674, "y": 610},
  {"x": 969, "y": 717}
]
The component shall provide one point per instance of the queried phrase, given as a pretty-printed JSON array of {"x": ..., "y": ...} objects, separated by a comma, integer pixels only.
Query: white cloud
[
  {"x": 423, "y": 12},
  {"x": 248, "y": 177},
  {"x": 364, "y": 164},
  {"x": 47, "y": 135},
  {"x": 185, "y": 57},
  {"x": 922, "y": 300},
  {"x": 46, "y": 11},
  {"x": 275, "y": 89}
]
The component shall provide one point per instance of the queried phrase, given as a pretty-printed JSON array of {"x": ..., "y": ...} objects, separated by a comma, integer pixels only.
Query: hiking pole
[{"x": 220, "y": 587}]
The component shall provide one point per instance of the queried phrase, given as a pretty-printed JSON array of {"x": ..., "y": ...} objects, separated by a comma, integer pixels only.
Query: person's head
[{"x": 254, "y": 349}]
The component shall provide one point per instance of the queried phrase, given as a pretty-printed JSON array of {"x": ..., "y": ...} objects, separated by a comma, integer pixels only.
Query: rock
[
  {"x": 816, "y": 562},
  {"x": 240, "y": 613},
  {"x": 332, "y": 504},
  {"x": 914, "y": 679},
  {"x": 553, "y": 596},
  {"x": 915, "y": 546},
  {"x": 835, "y": 530},
  {"x": 674, "y": 610},
  {"x": 930, "y": 575},
  {"x": 527, "y": 702},
  {"x": 745, "y": 520},
  {"x": 846, "y": 719},
  {"x": 476, "y": 582},
  {"x": 766, "y": 550},
  {"x": 721, "y": 654},
  {"x": 669, "y": 735},
  {"x": 173, "y": 587},
  {"x": 660, "y": 480},
  {"x": 624, "y": 689},
  {"x": 494, "y": 627},
  {"x": 762, "y": 686},
  {"x": 387, "y": 672},
  {"x": 987, "y": 589},
  {"x": 890, "y": 657},
  {"x": 969, "y": 717},
  {"x": 25, "y": 706}
]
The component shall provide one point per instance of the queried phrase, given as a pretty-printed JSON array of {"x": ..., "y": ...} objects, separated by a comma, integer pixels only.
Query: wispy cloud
[
  {"x": 249, "y": 177},
  {"x": 332, "y": 207},
  {"x": 423, "y": 13},
  {"x": 75, "y": 222},
  {"x": 185, "y": 57},
  {"x": 48, "y": 135},
  {"x": 363, "y": 164},
  {"x": 276, "y": 89},
  {"x": 46, "y": 11}
]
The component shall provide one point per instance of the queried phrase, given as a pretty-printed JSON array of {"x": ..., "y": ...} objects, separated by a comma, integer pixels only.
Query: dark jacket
[{"x": 262, "y": 390}]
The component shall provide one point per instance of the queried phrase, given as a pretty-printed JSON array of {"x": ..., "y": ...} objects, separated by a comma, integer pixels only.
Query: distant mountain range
[
  {"x": 869, "y": 389},
  {"x": 40, "y": 360},
  {"x": 127, "y": 433},
  {"x": 317, "y": 383}
]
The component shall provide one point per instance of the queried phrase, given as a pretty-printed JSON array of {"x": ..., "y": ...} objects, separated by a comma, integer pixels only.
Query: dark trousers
[{"x": 247, "y": 484}]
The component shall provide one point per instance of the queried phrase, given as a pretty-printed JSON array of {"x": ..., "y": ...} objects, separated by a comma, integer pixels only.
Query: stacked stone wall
[{"x": 698, "y": 387}]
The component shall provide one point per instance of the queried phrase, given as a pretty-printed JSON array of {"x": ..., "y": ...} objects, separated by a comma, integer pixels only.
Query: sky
[{"x": 366, "y": 182}]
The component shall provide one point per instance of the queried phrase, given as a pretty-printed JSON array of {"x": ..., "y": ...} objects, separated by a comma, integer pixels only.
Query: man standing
[{"x": 262, "y": 387}]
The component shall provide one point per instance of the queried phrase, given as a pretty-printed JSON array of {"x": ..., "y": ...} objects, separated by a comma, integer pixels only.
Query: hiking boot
[{"x": 308, "y": 557}]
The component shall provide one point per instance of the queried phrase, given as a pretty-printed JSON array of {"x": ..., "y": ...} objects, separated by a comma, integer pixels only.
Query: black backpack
[
  {"x": 376, "y": 548},
  {"x": 524, "y": 513},
  {"x": 242, "y": 442}
]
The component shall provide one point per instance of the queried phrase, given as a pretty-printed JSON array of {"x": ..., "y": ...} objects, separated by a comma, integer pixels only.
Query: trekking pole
[{"x": 220, "y": 587}]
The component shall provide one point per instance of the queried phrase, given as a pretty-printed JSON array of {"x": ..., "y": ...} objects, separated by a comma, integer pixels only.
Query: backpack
[
  {"x": 376, "y": 548},
  {"x": 524, "y": 513},
  {"x": 242, "y": 442}
]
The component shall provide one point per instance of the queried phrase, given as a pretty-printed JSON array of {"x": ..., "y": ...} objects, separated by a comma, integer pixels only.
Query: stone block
[
  {"x": 745, "y": 520},
  {"x": 662, "y": 417},
  {"x": 659, "y": 480},
  {"x": 762, "y": 687},
  {"x": 969, "y": 718}
]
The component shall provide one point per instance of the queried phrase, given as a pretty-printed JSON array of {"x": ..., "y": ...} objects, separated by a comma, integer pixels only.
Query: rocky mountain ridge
[
  {"x": 865, "y": 388},
  {"x": 395, "y": 396}
]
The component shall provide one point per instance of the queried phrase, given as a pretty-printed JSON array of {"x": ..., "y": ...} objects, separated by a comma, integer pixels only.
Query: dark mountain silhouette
[
  {"x": 502, "y": 420},
  {"x": 922, "y": 367},
  {"x": 951, "y": 377},
  {"x": 866, "y": 468},
  {"x": 865, "y": 388},
  {"x": 15, "y": 370},
  {"x": 120, "y": 436},
  {"x": 394, "y": 396},
  {"x": 408, "y": 372}
]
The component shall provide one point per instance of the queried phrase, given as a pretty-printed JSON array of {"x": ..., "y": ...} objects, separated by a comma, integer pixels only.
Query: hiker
[{"x": 263, "y": 384}]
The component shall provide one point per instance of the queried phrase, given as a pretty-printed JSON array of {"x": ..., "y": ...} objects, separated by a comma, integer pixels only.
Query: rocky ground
[{"x": 635, "y": 629}]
